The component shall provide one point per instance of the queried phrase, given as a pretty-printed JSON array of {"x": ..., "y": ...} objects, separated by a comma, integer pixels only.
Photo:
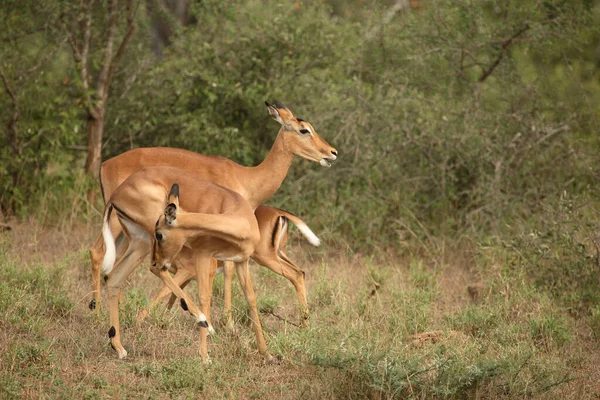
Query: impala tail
[
  {"x": 109, "y": 242},
  {"x": 303, "y": 228}
]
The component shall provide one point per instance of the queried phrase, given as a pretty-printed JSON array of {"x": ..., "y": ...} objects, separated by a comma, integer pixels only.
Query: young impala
[
  {"x": 214, "y": 221},
  {"x": 270, "y": 252},
  {"x": 254, "y": 184}
]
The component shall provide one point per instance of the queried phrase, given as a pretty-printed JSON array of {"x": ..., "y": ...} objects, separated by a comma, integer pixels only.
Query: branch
[
  {"x": 124, "y": 42},
  {"x": 13, "y": 131},
  {"x": 271, "y": 312},
  {"x": 43, "y": 60},
  {"x": 108, "y": 51},
  {"x": 71, "y": 37},
  {"x": 85, "y": 51},
  {"x": 7, "y": 86},
  {"x": 399, "y": 5},
  {"x": 505, "y": 45}
]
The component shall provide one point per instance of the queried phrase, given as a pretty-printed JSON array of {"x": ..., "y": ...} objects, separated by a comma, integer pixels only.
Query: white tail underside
[
  {"x": 308, "y": 234},
  {"x": 111, "y": 252}
]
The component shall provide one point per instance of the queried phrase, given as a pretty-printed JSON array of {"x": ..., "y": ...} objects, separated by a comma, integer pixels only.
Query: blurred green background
[{"x": 452, "y": 118}]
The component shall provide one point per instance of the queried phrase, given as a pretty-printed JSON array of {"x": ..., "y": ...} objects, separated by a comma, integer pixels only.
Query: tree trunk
[{"x": 95, "y": 126}]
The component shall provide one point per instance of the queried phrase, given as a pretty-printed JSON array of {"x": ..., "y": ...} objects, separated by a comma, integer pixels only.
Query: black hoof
[
  {"x": 112, "y": 332},
  {"x": 184, "y": 305},
  {"x": 93, "y": 304},
  {"x": 203, "y": 324}
]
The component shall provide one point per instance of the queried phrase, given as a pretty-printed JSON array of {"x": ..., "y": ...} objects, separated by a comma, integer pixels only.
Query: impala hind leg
[
  {"x": 281, "y": 264},
  {"x": 134, "y": 255},
  {"x": 97, "y": 256},
  {"x": 243, "y": 274}
]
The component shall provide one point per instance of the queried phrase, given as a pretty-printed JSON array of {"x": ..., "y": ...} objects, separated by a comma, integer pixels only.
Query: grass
[{"x": 380, "y": 328}]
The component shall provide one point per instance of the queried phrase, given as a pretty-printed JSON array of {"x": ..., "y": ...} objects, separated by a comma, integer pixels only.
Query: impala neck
[{"x": 266, "y": 178}]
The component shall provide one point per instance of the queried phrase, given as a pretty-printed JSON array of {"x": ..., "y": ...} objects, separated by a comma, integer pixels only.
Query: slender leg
[
  {"x": 97, "y": 255},
  {"x": 182, "y": 276},
  {"x": 228, "y": 280},
  {"x": 168, "y": 280},
  {"x": 243, "y": 274},
  {"x": 281, "y": 264},
  {"x": 173, "y": 297},
  {"x": 136, "y": 252}
]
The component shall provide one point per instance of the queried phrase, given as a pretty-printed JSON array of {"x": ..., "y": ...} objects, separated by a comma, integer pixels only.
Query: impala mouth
[{"x": 326, "y": 162}]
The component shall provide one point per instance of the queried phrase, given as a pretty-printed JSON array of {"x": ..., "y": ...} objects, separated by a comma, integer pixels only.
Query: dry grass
[{"x": 392, "y": 327}]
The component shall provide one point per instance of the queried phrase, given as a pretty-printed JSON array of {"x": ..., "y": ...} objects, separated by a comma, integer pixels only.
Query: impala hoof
[
  {"x": 203, "y": 324},
  {"x": 122, "y": 353},
  {"x": 269, "y": 359},
  {"x": 92, "y": 304}
]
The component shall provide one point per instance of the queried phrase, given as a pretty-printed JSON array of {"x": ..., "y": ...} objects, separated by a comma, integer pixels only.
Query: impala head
[
  {"x": 168, "y": 241},
  {"x": 300, "y": 138}
]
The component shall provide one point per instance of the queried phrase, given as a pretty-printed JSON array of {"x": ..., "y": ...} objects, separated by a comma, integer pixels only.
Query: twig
[
  {"x": 9, "y": 90},
  {"x": 130, "y": 29},
  {"x": 103, "y": 82},
  {"x": 270, "y": 312},
  {"x": 84, "y": 54},
  {"x": 505, "y": 45},
  {"x": 399, "y": 5},
  {"x": 46, "y": 57},
  {"x": 566, "y": 379}
]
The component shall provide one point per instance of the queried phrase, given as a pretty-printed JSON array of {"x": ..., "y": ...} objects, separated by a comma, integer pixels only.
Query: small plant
[
  {"x": 549, "y": 331},
  {"x": 184, "y": 374}
]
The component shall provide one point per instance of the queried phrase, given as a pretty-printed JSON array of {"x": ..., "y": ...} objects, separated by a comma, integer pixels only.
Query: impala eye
[
  {"x": 304, "y": 131},
  {"x": 158, "y": 236}
]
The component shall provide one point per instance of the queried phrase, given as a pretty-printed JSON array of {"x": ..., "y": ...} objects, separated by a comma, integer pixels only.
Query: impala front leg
[
  {"x": 204, "y": 271},
  {"x": 187, "y": 302},
  {"x": 134, "y": 255},
  {"x": 180, "y": 279}
]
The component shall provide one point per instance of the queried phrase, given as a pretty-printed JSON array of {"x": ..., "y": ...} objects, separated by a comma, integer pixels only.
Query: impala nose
[{"x": 334, "y": 154}]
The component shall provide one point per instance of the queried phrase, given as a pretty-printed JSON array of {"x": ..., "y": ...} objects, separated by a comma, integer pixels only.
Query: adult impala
[
  {"x": 255, "y": 184},
  {"x": 214, "y": 221}
]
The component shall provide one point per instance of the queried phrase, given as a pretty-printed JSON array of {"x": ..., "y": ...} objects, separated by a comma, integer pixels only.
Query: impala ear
[
  {"x": 174, "y": 195},
  {"x": 171, "y": 213},
  {"x": 273, "y": 112}
]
